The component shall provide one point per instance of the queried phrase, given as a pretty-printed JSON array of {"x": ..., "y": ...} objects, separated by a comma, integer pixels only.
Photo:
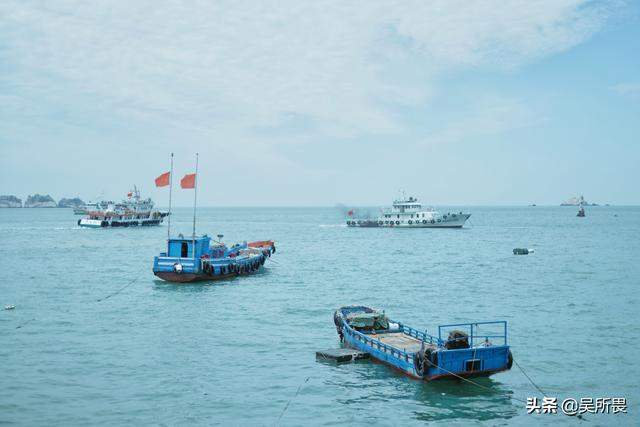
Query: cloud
[
  {"x": 631, "y": 90},
  {"x": 486, "y": 115},
  {"x": 344, "y": 67}
]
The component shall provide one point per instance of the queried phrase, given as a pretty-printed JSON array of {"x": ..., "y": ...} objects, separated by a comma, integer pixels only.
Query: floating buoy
[{"x": 522, "y": 251}]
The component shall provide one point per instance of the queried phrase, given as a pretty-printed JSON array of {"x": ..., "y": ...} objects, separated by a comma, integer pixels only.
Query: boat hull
[
  {"x": 407, "y": 366},
  {"x": 96, "y": 223},
  {"x": 451, "y": 222},
  {"x": 191, "y": 277}
]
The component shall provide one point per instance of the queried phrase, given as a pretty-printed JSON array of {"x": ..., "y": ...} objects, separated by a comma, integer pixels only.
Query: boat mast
[
  {"x": 170, "y": 188},
  {"x": 195, "y": 199}
]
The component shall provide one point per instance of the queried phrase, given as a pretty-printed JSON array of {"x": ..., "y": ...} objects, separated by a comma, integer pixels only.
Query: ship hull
[
  {"x": 450, "y": 222},
  {"x": 190, "y": 277},
  {"x": 96, "y": 223},
  {"x": 170, "y": 276}
]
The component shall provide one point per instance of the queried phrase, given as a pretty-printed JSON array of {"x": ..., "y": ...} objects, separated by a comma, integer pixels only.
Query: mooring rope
[
  {"x": 98, "y": 300},
  {"x": 23, "y": 324},
  {"x": 479, "y": 385},
  {"x": 529, "y": 378},
  {"x": 294, "y": 396},
  {"x": 119, "y": 290},
  {"x": 504, "y": 394}
]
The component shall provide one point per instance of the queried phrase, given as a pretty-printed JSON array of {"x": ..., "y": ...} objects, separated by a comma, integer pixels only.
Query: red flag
[
  {"x": 350, "y": 213},
  {"x": 162, "y": 180},
  {"x": 129, "y": 194},
  {"x": 189, "y": 181}
]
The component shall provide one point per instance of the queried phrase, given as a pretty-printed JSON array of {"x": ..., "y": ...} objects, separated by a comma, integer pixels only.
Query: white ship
[
  {"x": 92, "y": 207},
  {"x": 132, "y": 212},
  {"x": 409, "y": 213}
]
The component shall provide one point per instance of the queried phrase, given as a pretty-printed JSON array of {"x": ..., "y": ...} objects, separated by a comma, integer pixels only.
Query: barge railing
[
  {"x": 473, "y": 329},
  {"x": 374, "y": 343},
  {"x": 422, "y": 336}
]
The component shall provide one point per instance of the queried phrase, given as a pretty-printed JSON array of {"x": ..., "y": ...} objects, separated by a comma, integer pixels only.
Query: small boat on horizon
[
  {"x": 468, "y": 351},
  {"x": 409, "y": 213}
]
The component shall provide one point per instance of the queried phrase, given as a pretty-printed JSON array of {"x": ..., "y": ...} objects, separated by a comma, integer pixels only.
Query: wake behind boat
[
  {"x": 467, "y": 351},
  {"x": 409, "y": 213}
]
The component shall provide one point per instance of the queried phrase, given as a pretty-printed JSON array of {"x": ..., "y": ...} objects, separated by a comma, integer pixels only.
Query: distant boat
[
  {"x": 580, "y": 212},
  {"x": 409, "y": 213},
  {"x": 469, "y": 349},
  {"x": 577, "y": 201},
  {"x": 132, "y": 212}
]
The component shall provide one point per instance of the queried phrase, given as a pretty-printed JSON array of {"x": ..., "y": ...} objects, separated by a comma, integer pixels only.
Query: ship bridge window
[{"x": 184, "y": 250}]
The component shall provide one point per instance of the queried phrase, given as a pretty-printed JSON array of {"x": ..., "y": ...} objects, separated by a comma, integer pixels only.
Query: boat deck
[{"x": 399, "y": 340}]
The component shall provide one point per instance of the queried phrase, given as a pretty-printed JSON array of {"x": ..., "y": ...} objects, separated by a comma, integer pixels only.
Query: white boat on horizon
[{"x": 409, "y": 213}]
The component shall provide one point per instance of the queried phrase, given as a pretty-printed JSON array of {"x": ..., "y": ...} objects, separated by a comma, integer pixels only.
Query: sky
[{"x": 293, "y": 103}]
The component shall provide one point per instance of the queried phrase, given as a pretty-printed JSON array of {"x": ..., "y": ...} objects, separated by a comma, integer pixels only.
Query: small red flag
[
  {"x": 350, "y": 213},
  {"x": 129, "y": 194},
  {"x": 189, "y": 181},
  {"x": 163, "y": 180}
]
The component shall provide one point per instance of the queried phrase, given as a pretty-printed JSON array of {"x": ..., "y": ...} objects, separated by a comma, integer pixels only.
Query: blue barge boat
[
  {"x": 197, "y": 259},
  {"x": 468, "y": 351}
]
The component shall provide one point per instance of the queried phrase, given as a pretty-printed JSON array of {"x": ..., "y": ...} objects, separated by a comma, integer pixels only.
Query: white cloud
[
  {"x": 341, "y": 65},
  {"x": 628, "y": 89},
  {"x": 488, "y": 115}
]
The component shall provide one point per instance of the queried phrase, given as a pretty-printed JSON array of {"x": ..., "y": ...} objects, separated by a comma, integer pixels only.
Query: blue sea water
[{"x": 242, "y": 352}]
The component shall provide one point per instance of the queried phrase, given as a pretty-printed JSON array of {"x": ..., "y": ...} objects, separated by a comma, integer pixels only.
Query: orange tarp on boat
[{"x": 260, "y": 244}]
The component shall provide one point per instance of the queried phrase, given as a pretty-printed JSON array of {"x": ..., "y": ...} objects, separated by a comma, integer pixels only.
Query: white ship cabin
[{"x": 407, "y": 209}]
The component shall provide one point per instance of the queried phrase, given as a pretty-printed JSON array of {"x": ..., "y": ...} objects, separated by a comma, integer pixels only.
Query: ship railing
[
  {"x": 422, "y": 336},
  {"x": 379, "y": 345},
  {"x": 498, "y": 331}
]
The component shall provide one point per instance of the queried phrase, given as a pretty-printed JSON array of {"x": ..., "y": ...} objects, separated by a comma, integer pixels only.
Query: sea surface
[{"x": 95, "y": 339}]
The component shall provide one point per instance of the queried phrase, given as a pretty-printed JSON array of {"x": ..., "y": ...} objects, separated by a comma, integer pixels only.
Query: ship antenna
[
  {"x": 195, "y": 199},
  {"x": 170, "y": 188}
]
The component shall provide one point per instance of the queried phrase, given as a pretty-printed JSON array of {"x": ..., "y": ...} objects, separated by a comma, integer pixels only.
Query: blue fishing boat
[
  {"x": 198, "y": 259},
  {"x": 470, "y": 349}
]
